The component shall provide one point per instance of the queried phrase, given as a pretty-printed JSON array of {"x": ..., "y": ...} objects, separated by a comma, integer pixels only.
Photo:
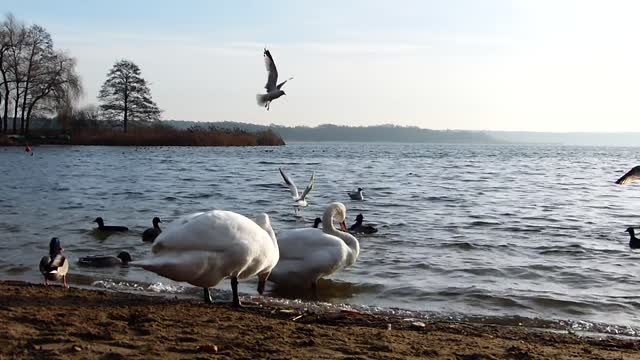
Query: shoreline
[{"x": 83, "y": 323}]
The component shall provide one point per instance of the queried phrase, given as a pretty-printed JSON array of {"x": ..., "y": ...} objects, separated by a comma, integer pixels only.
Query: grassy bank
[{"x": 155, "y": 136}]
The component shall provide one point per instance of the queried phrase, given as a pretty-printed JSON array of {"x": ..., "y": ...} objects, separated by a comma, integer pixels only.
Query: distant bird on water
[
  {"x": 359, "y": 227},
  {"x": 152, "y": 233},
  {"x": 103, "y": 227},
  {"x": 274, "y": 90},
  {"x": 55, "y": 266},
  {"x": 356, "y": 195},
  {"x": 630, "y": 176},
  {"x": 122, "y": 259},
  {"x": 634, "y": 242},
  {"x": 299, "y": 200}
]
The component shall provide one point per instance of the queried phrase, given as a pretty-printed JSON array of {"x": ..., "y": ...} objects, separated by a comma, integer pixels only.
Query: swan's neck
[{"x": 351, "y": 242}]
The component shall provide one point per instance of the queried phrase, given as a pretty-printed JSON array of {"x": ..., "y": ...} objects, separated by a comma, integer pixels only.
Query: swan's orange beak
[{"x": 343, "y": 226}]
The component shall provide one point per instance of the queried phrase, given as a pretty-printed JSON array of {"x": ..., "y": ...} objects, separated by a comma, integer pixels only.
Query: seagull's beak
[{"x": 343, "y": 226}]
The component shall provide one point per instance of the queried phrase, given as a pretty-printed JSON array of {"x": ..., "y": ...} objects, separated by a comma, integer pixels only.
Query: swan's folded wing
[
  {"x": 630, "y": 176},
  {"x": 290, "y": 184},
  {"x": 211, "y": 231}
]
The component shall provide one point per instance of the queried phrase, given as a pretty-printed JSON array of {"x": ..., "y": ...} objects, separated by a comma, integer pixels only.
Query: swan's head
[
  {"x": 156, "y": 220},
  {"x": 125, "y": 257},
  {"x": 55, "y": 247},
  {"x": 336, "y": 211}
]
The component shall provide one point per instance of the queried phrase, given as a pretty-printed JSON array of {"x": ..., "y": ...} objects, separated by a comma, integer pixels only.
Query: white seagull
[
  {"x": 273, "y": 91},
  {"x": 299, "y": 200},
  {"x": 356, "y": 195}
]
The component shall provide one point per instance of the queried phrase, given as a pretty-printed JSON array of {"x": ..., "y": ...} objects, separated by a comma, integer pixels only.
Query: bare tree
[
  {"x": 38, "y": 59},
  {"x": 125, "y": 95}
]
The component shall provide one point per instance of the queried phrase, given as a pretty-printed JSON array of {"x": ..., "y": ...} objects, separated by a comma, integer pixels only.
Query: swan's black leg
[
  {"x": 207, "y": 296},
  {"x": 234, "y": 288},
  {"x": 262, "y": 280}
]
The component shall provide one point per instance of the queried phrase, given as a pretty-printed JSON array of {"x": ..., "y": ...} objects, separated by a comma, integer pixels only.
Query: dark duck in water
[
  {"x": 634, "y": 242},
  {"x": 317, "y": 222},
  {"x": 359, "y": 227},
  {"x": 55, "y": 266},
  {"x": 103, "y": 227},
  {"x": 122, "y": 259},
  {"x": 151, "y": 234}
]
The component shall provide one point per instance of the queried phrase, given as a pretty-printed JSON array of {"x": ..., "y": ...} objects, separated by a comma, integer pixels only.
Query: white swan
[
  {"x": 299, "y": 200},
  {"x": 204, "y": 248},
  {"x": 308, "y": 254}
]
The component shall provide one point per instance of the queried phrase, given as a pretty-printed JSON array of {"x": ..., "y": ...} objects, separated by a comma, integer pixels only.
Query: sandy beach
[{"x": 57, "y": 323}]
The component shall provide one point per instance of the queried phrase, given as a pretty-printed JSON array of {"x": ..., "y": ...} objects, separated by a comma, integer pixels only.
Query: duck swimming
[
  {"x": 122, "y": 259},
  {"x": 356, "y": 195},
  {"x": 151, "y": 233},
  {"x": 317, "y": 222},
  {"x": 309, "y": 254},
  {"x": 359, "y": 227},
  {"x": 55, "y": 266},
  {"x": 634, "y": 242},
  {"x": 103, "y": 227},
  {"x": 204, "y": 248}
]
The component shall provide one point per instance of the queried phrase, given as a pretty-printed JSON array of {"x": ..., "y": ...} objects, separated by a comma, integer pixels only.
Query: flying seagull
[
  {"x": 631, "y": 175},
  {"x": 299, "y": 200},
  {"x": 273, "y": 91}
]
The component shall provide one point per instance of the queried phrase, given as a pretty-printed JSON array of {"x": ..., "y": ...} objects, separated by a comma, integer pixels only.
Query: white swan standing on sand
[
  {"x": 204, "y": 248},
  {"x": 299, "y": 200},
  {"x": 308, "y": 254}
]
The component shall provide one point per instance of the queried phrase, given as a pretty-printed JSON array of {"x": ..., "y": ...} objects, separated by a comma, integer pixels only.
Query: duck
[
  {"x": 151, "y": 233},
  {"x": 204, "y": 248},
  {"x": 356, "y": 195},
  {"x": 308, "y": 254},
  {"x": 359, "y": 227},
  {"x": 631, "y": 176},
  {"x": 55, "y": 266},
  {"x": 103, "y": 227},
  {"x": 634, "y": 242},
  {"x": 122, "y": 259},
  {"x": 299, "y": 201},
  {"x": 317, "y": 222}
]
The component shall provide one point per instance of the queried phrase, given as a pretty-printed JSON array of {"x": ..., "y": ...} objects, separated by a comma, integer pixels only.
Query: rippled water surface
[{"x": 534, "y": 231}]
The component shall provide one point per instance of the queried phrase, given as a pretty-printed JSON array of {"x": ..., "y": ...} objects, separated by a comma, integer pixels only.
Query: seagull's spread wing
[
  {"x": 630, "y": 176},
  {"x": 290, "y": 184},
  {"x": 271, "y": 69},
  {"x": 309, "y": 187},
  {"x": 282, "y": 83}
]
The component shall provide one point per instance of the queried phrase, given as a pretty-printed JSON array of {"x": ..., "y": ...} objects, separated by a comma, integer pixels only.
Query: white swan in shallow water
[
  {"x": 308, "y": 254},
  {"x": 204, "y": 248},
  {"x": 299, "y": 200}
]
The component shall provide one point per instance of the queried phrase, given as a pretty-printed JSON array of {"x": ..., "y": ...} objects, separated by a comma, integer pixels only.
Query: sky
[{"x": 543, "y": 65}]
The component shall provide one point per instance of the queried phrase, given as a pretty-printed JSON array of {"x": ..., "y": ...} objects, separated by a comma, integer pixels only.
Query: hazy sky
[{"x": 555, "y": 65}]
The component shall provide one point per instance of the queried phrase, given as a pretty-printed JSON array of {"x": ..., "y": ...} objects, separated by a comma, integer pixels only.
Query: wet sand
[{"x": 57, "y": 323}]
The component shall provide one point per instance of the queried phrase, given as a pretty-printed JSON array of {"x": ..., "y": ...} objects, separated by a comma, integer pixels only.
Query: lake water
[{"x": 504, "y": 231}]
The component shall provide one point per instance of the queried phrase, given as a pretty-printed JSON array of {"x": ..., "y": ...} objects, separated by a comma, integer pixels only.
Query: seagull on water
[
  {"x": 299, "y": 200},
  {"x": 273, "y": 91},
  {"x": 356, "y": 195}
]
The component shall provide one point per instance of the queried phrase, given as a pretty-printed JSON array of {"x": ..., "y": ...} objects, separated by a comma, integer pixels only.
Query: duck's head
[
  {"x": 99, "y": 221},
  {"x": 360, "y": 189},
  {"x": 156, "y": 220},
  {"x": 359, "y": 218},
  {"x": 630, "y": 231},
  {"x": 55, "y": 247},
  {"x": 125, "y": 257},
  {"x": 317, "y": 222}
]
